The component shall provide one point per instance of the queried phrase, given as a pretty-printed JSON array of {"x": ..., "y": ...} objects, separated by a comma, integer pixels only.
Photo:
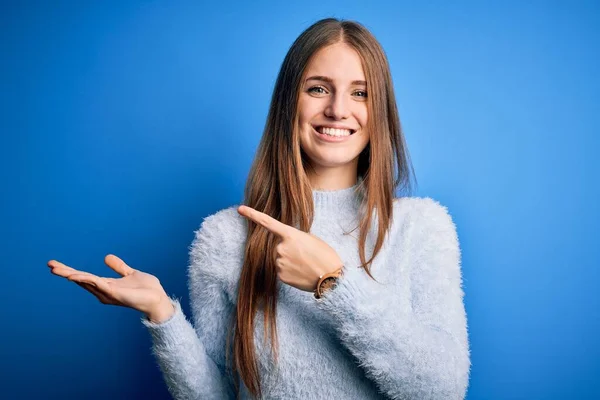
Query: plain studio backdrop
[{"x": 124, "y": 124}]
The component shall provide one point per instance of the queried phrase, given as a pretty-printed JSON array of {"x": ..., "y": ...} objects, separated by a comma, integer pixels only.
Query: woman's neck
[{"x": 332, "y": 178}]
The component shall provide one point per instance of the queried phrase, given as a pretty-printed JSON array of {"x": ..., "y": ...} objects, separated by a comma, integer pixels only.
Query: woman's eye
[
  {"x": 361, "y": 93},
  {"x": 317, "y": 89}
]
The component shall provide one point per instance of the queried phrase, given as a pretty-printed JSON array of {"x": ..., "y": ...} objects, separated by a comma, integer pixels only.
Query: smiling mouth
[{"x": 335, "y": 132}]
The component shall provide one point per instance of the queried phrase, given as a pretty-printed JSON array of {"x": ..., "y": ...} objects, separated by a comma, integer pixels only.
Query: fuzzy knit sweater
[{"x": 403, "y": 336}]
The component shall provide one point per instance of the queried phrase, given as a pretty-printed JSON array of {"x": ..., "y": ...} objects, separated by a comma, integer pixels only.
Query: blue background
[{"x": 124, "y": 124}]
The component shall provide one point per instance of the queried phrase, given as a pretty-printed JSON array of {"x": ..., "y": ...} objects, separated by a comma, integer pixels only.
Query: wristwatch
[{"x": 327, "y": 282}]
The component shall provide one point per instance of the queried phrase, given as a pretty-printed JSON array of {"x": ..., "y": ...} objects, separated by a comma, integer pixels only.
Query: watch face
[
  {"x": 328, "y": 283},
  {"x": 329, "y": 280}
]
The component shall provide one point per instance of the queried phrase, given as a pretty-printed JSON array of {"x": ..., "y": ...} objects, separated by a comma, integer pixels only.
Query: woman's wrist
[{"x": 162, "y": 312}]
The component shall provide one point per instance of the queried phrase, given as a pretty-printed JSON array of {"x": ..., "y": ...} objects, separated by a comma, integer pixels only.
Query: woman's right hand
[{"x": 135, "y": 289}]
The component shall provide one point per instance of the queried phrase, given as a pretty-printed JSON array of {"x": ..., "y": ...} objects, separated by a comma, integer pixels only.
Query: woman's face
[{"x": 332, "y": 109}]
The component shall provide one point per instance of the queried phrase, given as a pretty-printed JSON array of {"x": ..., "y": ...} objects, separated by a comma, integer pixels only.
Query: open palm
[{"x": 135, "y": 289}]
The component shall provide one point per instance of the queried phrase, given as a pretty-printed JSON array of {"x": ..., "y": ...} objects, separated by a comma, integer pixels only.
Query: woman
[{"x": 323, "y": 285}]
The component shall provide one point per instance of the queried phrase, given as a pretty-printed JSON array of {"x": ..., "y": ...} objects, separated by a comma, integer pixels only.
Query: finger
[
  {"x": 68, "y": 272},
  {"x": 118, "y": 265},
  {"x": 65, "y": 271},
  {"x": 61, "y": 269},
  {"x": 54, "y": 264},
  {"x": 82, "y": 278},
  {"x": 265, "y": 221},
  {"x": 93, "y": 290},
  {"x": 93, "y": 280}
]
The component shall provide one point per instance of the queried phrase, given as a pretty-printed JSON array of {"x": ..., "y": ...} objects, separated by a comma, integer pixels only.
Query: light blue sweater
[{"x": 402, "y": 337}]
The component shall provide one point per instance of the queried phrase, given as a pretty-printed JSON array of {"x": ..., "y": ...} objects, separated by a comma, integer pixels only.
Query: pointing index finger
[{"x": 265, "y": 221}]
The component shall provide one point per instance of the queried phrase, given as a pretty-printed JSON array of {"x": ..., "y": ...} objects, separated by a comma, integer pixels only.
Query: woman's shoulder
[
  {"x": 426, "y": 212},
  {"x": 223, "y": 228},
  {"x": 431, "y": 236},
  {"x": 218, "y": 245},
  {"x": 419, "y": 205}
]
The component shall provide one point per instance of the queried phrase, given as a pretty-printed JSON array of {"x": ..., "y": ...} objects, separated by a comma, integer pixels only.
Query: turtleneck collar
[{"x": 337, "y": 202}]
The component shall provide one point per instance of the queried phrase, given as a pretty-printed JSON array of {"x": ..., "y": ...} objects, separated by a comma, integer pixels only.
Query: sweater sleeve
[
  {"x": 191, "y": 356},
  {"x": 416, "y": 348}
]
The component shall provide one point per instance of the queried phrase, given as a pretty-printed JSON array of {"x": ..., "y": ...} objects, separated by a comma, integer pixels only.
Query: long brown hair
[{"x": 278, "y": 184}]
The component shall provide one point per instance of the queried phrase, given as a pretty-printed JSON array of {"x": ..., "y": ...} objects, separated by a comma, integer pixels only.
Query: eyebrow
[{"x": 329, "y": 80}]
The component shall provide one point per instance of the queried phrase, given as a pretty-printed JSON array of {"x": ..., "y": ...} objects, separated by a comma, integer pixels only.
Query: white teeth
[{"x": 335, "y": 132}]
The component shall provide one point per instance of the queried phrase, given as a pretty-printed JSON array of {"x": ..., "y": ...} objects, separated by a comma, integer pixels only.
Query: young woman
[{"x": 323, "y": 285}]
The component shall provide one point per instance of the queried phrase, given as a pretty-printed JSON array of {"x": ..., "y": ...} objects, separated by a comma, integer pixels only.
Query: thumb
[{"x": 118, "y": 265}]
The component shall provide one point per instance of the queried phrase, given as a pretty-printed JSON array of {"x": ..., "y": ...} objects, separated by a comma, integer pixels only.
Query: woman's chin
[{"x": 333, "y": 162}]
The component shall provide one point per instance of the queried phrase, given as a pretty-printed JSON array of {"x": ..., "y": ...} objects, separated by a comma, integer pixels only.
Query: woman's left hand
[{"x": 301, "y": 258}]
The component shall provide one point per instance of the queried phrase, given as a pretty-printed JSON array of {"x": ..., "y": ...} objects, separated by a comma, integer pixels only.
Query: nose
[{"x": 338, "y": 107}]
